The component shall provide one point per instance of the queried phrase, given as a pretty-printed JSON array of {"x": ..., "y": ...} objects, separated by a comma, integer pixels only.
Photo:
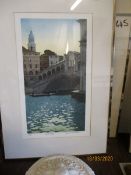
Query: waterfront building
[
  {"x": 31, "y": 59},
  {"x": 53, "y": 60},
  {"x": 49, "y": 59},
  {"x": 44, "y": 62},
  {"x": 72, "y": 61},
  {"x": 31, "y": 64}
]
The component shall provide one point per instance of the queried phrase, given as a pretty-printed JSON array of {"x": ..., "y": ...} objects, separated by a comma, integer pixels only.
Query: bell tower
[{"x": 31, "y": 42}]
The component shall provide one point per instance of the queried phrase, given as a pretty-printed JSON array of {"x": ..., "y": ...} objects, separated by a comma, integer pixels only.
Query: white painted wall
[
  {"x": 14, "y": 144},
  {"x": 119, "y": 62},
  {"x": 123, "y": 6}
]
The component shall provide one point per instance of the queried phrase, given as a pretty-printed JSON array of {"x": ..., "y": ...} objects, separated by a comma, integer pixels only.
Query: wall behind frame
[
  {"x": 123, "y": 6},
  {"x": 14, "y": 144}
]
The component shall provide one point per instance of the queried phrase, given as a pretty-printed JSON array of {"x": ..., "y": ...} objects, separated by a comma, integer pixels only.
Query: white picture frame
[{"x": 16, "y": 145}]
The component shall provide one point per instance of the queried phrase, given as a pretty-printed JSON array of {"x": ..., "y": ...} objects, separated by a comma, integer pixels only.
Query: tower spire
[{"x": 31, "y": 42}]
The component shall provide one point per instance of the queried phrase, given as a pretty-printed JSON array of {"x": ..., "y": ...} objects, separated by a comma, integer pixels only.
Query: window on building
[
  {"x": 31, "y": 73},
  {"x": 36, "y": 72},
  {"x": 30, "y": 65},
  {"x": 25, "y": 66},
  {"x": 36, "y": 66}
]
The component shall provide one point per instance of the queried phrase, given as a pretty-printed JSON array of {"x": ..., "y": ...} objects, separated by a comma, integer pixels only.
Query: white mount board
[{"x": 14, "y": 144}]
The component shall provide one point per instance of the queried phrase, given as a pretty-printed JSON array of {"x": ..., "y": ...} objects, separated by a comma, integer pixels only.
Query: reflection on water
[{"x": 56, "y": 113}]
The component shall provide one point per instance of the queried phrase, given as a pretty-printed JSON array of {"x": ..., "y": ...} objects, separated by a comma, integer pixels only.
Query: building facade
[
  {"x": 31, "y": 59},
  {"x": 53, "y": 60},
  {"x": 31, "y": 64},
  {"x": 44, "y": 62},
  {"x": 72, "y": 61}
]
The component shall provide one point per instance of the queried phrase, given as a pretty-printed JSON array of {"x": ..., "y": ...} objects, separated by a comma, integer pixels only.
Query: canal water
[{"x": 55, "y": 113}]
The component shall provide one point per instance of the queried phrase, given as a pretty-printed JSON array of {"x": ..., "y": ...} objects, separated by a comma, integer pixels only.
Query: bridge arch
[
  {"x": 40, "y": 77},
  {"x": 62, "y": 67},
  {"x": 49, "y": 73},
  {"x": 53, "y": 71},
  {"x": 44, "y": 76},
  {"x": 58, "y": 68}
]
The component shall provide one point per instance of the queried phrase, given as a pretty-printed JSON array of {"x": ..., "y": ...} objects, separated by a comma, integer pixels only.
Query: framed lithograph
[
  {"x": 55, "y": 76},
  {"x": 54, "y": 59}
]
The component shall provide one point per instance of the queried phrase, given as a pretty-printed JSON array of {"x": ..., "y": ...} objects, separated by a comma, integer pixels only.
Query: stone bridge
[
  {"x": 45, "y": 77},
  {"x": 42, "y": 85},
  {"x": 50, "y": 71}
]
